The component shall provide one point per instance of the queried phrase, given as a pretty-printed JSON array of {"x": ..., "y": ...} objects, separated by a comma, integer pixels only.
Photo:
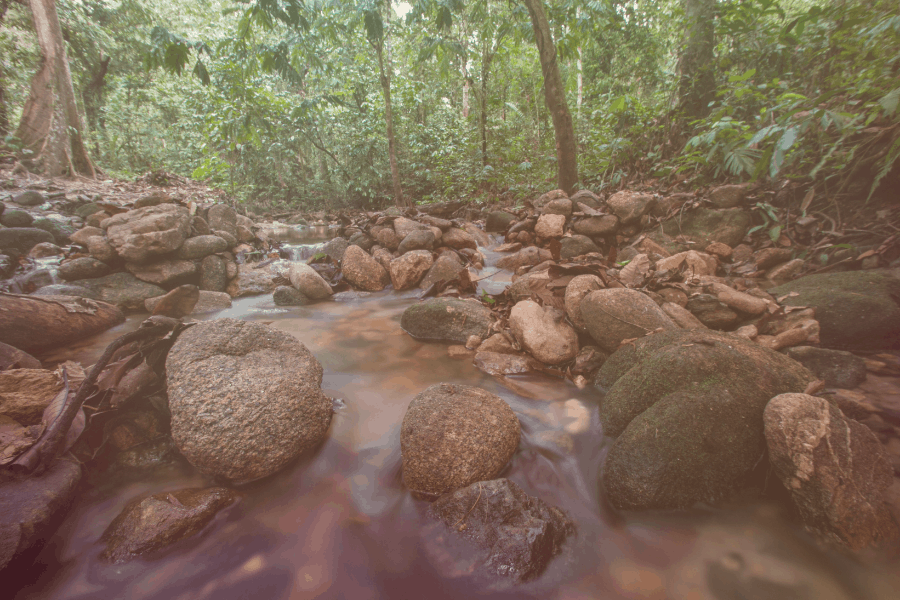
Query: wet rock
[
  {"x": 58, "y": 227},
  {"x": 121, "y": 289},
  {"x": 577, "y": 245},
  {"x": 578, "y": 288},
  {"x": 589, "y": 360},
  {"x": 98, "y": 247},
  {"x": 498, "y": 221},
  {"x": 250, "y": 282},
  {"x": 13, "y": 358},
  {"x": 30, "y": 511},
  {"x": 601, "y": 226},
  {"x": 449, "y": 319},
  {"x": 25, "y": 393},
  {"x": 213, "y": 276},
  {"x": 446, "y": 268},
  {"x": 630, "y": 206},
  {"x": 45, "y": 250},
  {"x": 20, "y": 240},
  {"x": 222, "y": 217},
  {"x": 481, "y": 238},
  {"x": 687, "y": 409},
  {"x": 704, "y": 226},
  {"x": 201, "y": 246},
  {"x": 142, "y": 234},
  {"x": 37, "y": 323},
  {"x": 458, "y": 239},
  {"x": 515, "y": 535},
  {"x": 285, "y": 295},
  {"x": 335, "y": 248},
  {"x": 835, "y": 468},
  {"x": 497, "y": 363},
  {"x": 29, "y": 198},
  {"x": 306, "y": 280},
  {"x": 164, "y": 273},
  {"x": 16, "y": 218},
  {"x": 532, "y": 255},
  {"x": 410, "y": 268},
  {"x": 550, "y": 226},
  {"x": 422, "y": 239},
  {"x": 207, "y": 302},
  {"x": 359, "y": 239},
  {"x": 455, "y": 435},
  {"x": 543, "y": 332},
  {"x": 857, "y": 310},
  {"x": 66, "y": 289},
  {"x": 834, "y": 367},
  {"x": 498, "y": 343},
  {"x": 245, "y": 399},
  {"x": 362, "y": 271},
  {"x": 614, "y": 315},
  {"x": 83, "y": 268},
  {"x": 152, "y": 523},
  {"x": 728, "y": 196},
  {"x": 693, "y": 264},
  {"x": 711, "y": 311}
]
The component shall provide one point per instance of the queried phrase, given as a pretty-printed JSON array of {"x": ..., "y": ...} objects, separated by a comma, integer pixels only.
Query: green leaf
[{"x": 775, "y": 233}]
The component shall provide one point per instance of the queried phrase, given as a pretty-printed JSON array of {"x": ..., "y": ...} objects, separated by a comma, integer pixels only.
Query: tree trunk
[
  {"x": 32, "y": 323},
  {"x": 51, "y": 127},
  {"x": 482, "y": 102},
  {"x": 465, "y": 89},
  {"x": 93, "y": 101},
  {"x": 389, "y": 119},
  {"x": 697, "y": 83},
  {"x": 555, "y": 97}
]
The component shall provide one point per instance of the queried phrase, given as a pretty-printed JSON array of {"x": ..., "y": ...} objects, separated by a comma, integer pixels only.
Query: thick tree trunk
[
  {"x": 555, "y": 97},
  {"x": 389, "y": 119},
  {"x": 51, "y": 127},
  {"x": 697, "y": 83},
  {"x": 32, "y": 323}
]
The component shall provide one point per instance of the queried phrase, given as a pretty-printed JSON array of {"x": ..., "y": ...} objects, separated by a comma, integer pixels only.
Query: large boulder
[
  {"x": 515, "y": 535},
  {"x": 705, "y": 226},
  {"x": 687, "y": 408},
  {"x": 83, "y": 267},
  {"x": 251, "y": 281},
  {"x": 409, "y": 269},
  {"x": 498, "y": 221},
  {"x": 856, "y": 310},
  {"x": 446, "y": 268},
  {"x": 222, "y": 217},
  {"x": 245, "y": 399},
  {"x": 835, "y": 468},
  {"x": 151, "y": 523},
  {"x": 455, "y": 435},
  {"x": 458, "y": 239},
  {"x": 142, "y": 234},
  {"x": 835, "y": 367},
  {"x": 312, "y": 285},
  {"x": 19, "y": 240},
  {"x": 164, "y": 273},
  {"x": 362, "y": 271},
  {"x": 38, "y": 323},
  {"x": 121, "y": 289},
  {"x": 616, "y": 314},
  {"x": 403, "y": 227},
  {"x": 543, "y": 332},
  {"x": 449, "y": 319},
  {"x": 579, "y": 287}
]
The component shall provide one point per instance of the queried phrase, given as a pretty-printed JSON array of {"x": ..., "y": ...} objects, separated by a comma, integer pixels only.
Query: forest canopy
[{"x": 327, "y": 103}]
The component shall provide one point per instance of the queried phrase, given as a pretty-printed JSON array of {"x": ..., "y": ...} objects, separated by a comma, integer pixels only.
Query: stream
[{"x": 340, "y": 524}]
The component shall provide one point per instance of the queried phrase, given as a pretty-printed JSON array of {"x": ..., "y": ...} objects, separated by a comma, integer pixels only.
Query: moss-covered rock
[{"x": 856, "y": 310}]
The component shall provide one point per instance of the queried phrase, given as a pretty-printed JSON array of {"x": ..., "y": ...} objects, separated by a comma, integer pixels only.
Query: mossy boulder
[
  {"x": 449, "y": 319},
  {"x": 705, "y": 226},
  {"x": 687, "y": 408},
  {"x": 856, "y": 310}
]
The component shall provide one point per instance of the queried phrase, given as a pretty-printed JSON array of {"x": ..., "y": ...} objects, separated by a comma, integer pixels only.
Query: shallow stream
[{"x": 340, "y": 524}]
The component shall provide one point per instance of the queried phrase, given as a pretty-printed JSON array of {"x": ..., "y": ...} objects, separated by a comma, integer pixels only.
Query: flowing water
[{"x": 339, "y": 523}]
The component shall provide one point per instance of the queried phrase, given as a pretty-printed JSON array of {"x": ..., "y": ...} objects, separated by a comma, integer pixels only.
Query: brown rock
[
  {"x": 362, "y": 271},
  {"x": 630, "y": 206},
  {"x": 719, "y": 250},
  {"x": 550, "y": 226},
  {"x": 458, "y": 239},
  {"x": 455, "y": 435},
  {"x": 693, "y": 263},
  {"x": 250, "y": 282},
  {"x": 601, "y": 226},
  {"x": 498, "y": 343},
  {"x": 81, "y": 236},
  {"x": 785, "y": 271},
  {"x": 13, "y": 358},
  {"x": 33, "y": 323},
  {"x": 178, "y": 303},
  {"x": 682, "y": 316},
  {"x": 543, "y": 332},
  {"x": 728, "y": 196},
  {"x": 213, "y": 275},
  {"x": 409, "y": 269},
  {"x": 99, "y": 248},
  {"x": 25, "y": 393},
  {"x": 207, "y": 302},
  {"x": 739, "y": 301},
  {"x": 578, "y": 288},
  {"x": 305, "y": 279},
  {"x": 614, "y": 315},
  {"x": 532, "y": 255},
  {"x": 769, "y": 257},
  {"x": 835, "y": 468},
  {"x": 138, "y": 235},
  {"x": 164, "y": 273}
]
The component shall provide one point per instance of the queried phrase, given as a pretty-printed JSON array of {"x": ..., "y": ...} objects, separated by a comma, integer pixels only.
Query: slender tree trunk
[
  {"x": 51, "y": 126},
  {"x": 4, "y": 115},
  {"x": 93, "y": 101},
  {"x": 465, "y": 89},
  {"x": 697, "y": 83},
  {"x": 555, "y": 97},
  {"x": 482, "y": 101},
  {"x": 385, "y": 78}
]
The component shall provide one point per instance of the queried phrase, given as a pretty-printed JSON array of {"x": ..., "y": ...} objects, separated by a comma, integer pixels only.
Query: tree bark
[
  {"x": 32, "y": 323},
  {"x": 385, "y": 78},
  {"x": 697, "y": 82},
  {"x": 51, "y": 126},
  {"x": 555, "y": 97}
]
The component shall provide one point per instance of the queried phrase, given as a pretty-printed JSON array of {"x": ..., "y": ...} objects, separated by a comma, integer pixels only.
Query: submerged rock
[
  {"x": 449, "y": 319},
  {"x": 835, "y": 468},
  {"x": 454, "y": 435},
  {"x": 245, "y": 399},
  {"x": 515, "y": 535},
  {"x": 149, "y": 524}
]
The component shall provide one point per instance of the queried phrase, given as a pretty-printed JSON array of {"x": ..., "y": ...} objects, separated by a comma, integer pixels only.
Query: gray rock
[
  {"x": 16, "y": 218},
  {"x": 515, "y": 535},
  {"x": 335, "y": 248},
  {"x": 532, "y": 255},
  {"x": 229, "y": 238},
  {"x": 30, "y": 511},
  {"x": 579, "y": 287},
  {"x": 630, "y": 206},
  {"x": 558, "y": 206},
  {"x": 45, "y": 250},
  {"x": 362, "y": 240},
  {"x": 145, "y": 233},
  {"x": 448, "y": 319},
  {"x": 250, "y": 281},
  {"x": 543, "y": 332},
  {"x": 121, "y": 289},
  {"x": 207, "y": 302},
  {"x": 577, "y": 245},
  {"x": 149, "y": 524},
  {"x": 165, "y": 273},
  {"x": 705, "y": 226},
  {"x": 362, "y": 271},
  {"x": 500, "y": 363},
  {"x": 836, "y": 368},
  {"x": 446, "y": 268},
  {"x": 213, "y": 276},
  {"x": 59, "y": 229},
  {"x": 223, "y": 218},
  {"x": 20, "y": 240},
  {"x": 422, "y": 239},
  {"x": 201, "y": 246},
  {"x": 245, "y": 399},
  {"x": 711, "y": 311},
  {"x": 306, "y": 280},
  {"x": 601, "y": 226},
  {"x": 586, "y": 197},
  {"x": 498, "y": 221},
  {"x": 455, "y": 435},
  {"x": 29, "y": 198},
  {"x": 409, "y": 269},
  {"x": 199, "y": 226},
  {"x": 86, "y": 210},
  {"x": 83, "y": 268},
  {"x": 835, "y": 468},
  {"x": 617, "y": 314},
  {"x": 286, "y": 295},
  {"x": 403, "y": 227},
  {"x": 856, "y": 310},
  {"x": 66, "y": 289},
  {"x": 728, "y": 196}
]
